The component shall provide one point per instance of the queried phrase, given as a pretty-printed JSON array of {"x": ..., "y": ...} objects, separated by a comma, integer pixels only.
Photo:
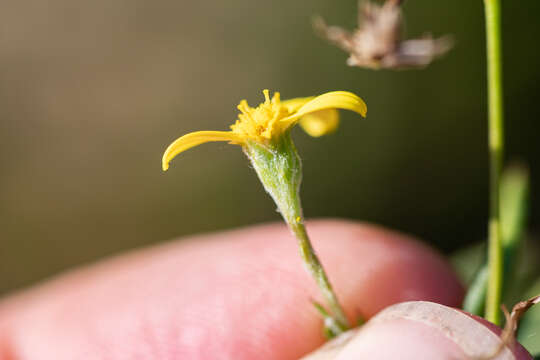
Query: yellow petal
[
  {"x": 332, "y": 100},
  {"x": 294, "y": 104},
  {"x": 190, "y": 140},
  {"x": 320, "y": 122}
]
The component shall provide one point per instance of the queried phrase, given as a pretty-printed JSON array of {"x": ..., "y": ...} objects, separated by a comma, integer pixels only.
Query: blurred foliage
[
  {"x": 514, "y": 209},
  {"x": 529, "y": 327},
  {"x": 469, "y": 261},
  {"x": 92, "y": 92},
  {"x": 524, "y": 284}
]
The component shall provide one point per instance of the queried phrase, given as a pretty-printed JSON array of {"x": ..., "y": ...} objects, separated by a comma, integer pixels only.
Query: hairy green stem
[
  {"x": 280, "y": 170},
  {"x": 496, "y": 152},
  {"x": 316, "y": 270}
]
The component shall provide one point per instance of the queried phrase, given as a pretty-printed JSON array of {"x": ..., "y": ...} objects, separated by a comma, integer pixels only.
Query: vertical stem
[
  {"x": 496, "y": 151},
  {"x": 317, "y": 272}
]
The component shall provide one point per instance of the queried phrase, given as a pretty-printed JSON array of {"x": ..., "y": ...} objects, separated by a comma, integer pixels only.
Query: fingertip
[
  {"x": 401, "y": 339},
  {"x": 6, "y": 353},
  {"x": 241, "y": 294}
]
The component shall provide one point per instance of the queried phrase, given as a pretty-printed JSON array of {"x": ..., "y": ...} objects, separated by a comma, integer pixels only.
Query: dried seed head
[{"x": 377, "y": 43}]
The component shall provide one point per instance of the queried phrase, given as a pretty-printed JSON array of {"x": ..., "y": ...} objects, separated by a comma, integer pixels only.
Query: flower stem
[
  {"x": 280, "y": 170},
  {"x": 316, "y": 270},
  {"x": 496, "y": 151}
]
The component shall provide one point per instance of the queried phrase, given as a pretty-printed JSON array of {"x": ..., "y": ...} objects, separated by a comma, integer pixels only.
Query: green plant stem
[
  {"x": 316, "y": 270},
  {"x": 280, "y": 170},
  {"x": 496, "y": 151}
]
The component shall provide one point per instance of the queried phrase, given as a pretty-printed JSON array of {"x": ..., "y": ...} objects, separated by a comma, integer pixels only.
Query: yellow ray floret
[
  {"x": 193, "y": 139},
  {"x": 320, "y": 123},
  {"x": 317, "y": 123},
  {"x": 272, "y": 118},
  {"x": 331, "y": 100},
  {"x": 293, "y": 105}
]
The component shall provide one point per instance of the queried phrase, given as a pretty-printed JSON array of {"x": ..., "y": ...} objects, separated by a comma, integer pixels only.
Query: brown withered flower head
[{"x": 378, "y": 43}]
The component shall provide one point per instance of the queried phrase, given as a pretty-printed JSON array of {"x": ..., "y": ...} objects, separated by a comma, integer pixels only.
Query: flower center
[{"x": 261, "y": 123}]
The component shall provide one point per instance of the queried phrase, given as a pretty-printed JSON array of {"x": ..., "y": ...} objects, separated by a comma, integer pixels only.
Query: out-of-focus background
[{"x": 92, "y": 92}]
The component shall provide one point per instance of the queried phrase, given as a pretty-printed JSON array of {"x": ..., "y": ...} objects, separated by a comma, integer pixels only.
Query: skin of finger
[
  {"x": 401, "y": 339},
  {"x": 242, "y": 294},
  {"x": 405, "y": 339}
]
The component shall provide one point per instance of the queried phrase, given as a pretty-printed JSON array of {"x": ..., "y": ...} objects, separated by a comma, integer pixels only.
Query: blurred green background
[{"x": 92, "y": 92}]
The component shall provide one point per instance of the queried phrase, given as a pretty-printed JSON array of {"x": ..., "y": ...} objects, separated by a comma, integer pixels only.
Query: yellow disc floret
[{"x": 262, "y": 123}]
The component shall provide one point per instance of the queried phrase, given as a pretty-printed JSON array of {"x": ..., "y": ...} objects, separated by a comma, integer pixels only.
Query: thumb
[{"x": 421, "y": 330}]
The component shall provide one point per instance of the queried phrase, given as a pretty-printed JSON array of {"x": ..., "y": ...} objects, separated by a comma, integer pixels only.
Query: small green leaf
[
  {"x": 475, "y": 299},
  {"x": 331, "y": 328},
  {"x": 514, "y": 194}
]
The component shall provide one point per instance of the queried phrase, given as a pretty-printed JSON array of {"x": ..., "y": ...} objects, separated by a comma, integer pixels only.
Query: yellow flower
[
  {"x": 273, "y": 118},
  {"x": 264, "y": 134}
]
